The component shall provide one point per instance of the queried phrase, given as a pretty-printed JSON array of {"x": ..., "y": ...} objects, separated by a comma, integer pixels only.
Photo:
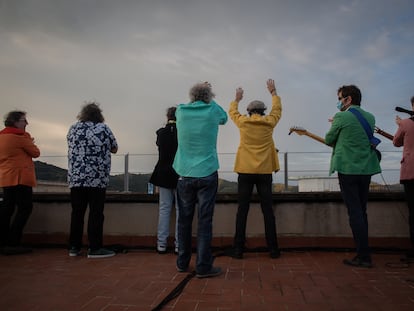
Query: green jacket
[
  {"x": 197, "y": 130},
  {"x": 352, "y": 153}
]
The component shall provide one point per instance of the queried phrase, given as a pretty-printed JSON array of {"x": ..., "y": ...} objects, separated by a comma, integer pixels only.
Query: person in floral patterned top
[{"x": 90, "y": 144}]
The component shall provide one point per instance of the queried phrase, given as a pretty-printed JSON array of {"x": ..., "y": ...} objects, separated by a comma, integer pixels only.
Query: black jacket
[{"x": 164, "y": 174}]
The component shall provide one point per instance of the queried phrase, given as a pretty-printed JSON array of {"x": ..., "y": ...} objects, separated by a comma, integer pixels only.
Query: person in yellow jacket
[
  {"x": 256, "y": 160},
  {"x": 17, "y": 177}
]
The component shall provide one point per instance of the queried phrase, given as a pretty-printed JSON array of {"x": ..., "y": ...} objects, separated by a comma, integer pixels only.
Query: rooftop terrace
[{"x": 48, "y": 279}]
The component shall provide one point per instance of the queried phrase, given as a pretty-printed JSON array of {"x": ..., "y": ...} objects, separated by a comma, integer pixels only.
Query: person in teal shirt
[
  {"x": 196, "y": 163},
  {"x": 355, "y": 161}
]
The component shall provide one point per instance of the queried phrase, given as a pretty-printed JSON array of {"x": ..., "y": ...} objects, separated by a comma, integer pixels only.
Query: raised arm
[{"x": 271, "y": 87}]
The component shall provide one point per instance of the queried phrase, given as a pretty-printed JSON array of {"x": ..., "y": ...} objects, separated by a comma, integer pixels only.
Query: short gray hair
[
  {"x": 201, "y": 92},
  {"x": 256, "y": 107}
]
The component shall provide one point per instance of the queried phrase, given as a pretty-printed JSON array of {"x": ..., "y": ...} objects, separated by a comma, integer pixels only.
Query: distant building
[{"x": 317, "y": 184}]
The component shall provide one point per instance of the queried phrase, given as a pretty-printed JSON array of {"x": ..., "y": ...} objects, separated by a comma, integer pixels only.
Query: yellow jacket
[
  {"x": 257, "y": 153},
  {"x": 16, "y": 164}
]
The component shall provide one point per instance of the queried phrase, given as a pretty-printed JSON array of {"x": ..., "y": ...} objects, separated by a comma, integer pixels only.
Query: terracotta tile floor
[{"x": 48, "y": 279}]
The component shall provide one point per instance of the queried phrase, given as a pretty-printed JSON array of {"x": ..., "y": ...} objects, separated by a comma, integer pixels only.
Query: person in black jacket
[{"x": 165, "y": 177}]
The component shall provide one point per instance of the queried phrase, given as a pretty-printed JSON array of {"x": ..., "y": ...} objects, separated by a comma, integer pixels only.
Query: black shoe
[
  {"x": 182, "y": 269},
  {"x": 275, "y": 253},
  {"x": 237, "y": 253},
  {"x": 15, "y": 250},
  {"x": 409, "y": 257},
  {"x": 100, "y": 253},
  {"x": 74, "y": 251},
  {"x": 214, "y": 271},
  {"x": 410, "y": 254},
  {"x": 358, "y": 262}
]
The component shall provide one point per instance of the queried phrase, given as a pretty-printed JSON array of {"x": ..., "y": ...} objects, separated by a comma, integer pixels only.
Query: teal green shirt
[
  {"x": 352, "y": 153},
  {"x": 197, "y": 130}
]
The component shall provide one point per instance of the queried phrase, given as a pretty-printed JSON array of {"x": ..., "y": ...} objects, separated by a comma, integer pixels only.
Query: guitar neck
[
  {"x": 383, "y": 133},
  {"x": 315, "y": 137}
]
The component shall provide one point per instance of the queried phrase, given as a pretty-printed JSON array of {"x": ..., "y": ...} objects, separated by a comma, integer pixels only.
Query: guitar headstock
[{"x": 298, "y": 130}]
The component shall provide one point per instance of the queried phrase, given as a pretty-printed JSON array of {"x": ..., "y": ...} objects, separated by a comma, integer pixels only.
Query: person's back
[
  {"x": 256, "y": 139},
  {"x": 17, "y": 177},
  {"x": 196, "y": 163},
  {"x": 197, "y": 129},
  {"x": 90, "y": 144},
  {"x": 355, "y": 160},
  {"x": 165, "y": 177},
  {"x": 256, "y": 160},
  {"x": 352, "y": 152},
  {"x": 89, "y": 154},
  {"x": 404, "y": 137}
]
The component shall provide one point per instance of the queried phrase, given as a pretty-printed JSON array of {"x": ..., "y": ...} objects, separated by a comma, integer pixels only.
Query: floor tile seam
[{"x": 89, "y": 302}]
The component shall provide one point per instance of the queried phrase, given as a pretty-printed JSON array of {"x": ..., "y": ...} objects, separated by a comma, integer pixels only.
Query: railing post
[
  {"x": 286, "y": 170},
  {"x": 126, "y": 173}
]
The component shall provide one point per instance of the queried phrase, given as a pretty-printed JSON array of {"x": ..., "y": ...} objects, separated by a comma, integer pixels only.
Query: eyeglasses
[
  {"x": 341, "y": 98},
  {"x": 23, "y": 120}
]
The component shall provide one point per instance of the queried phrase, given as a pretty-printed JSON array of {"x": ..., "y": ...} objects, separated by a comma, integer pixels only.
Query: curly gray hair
[{"x": 201, "y": 92}]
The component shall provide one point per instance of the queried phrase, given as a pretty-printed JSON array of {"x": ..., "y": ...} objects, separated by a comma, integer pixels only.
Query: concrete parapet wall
[{"x": 313, "y": 218}]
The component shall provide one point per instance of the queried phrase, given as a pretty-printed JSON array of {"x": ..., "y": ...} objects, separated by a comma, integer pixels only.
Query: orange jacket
[{"x": 16, "y": 152}]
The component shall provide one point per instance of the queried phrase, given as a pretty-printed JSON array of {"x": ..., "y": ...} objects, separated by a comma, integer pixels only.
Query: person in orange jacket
[{"x": 17, "y": 177}]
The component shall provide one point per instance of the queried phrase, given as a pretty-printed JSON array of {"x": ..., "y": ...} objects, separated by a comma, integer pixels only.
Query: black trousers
[
  {"x": 81, "y": 198},
  {"x": 354, "y": 190},
  {"x": 263, "y": 183},
  {"x": 409, "y": 197},
  {"x": 11, "y": 230}
]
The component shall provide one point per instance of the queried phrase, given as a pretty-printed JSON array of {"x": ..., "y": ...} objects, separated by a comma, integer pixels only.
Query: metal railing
[{"x": 294, "y": 166}]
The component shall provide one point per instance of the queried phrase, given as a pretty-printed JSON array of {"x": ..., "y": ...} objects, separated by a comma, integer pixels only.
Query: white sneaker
[{"x": 161, "y": 249}]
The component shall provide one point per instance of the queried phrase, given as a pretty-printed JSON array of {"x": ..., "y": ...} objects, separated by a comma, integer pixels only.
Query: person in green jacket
[{"x": 355, "y": 161}]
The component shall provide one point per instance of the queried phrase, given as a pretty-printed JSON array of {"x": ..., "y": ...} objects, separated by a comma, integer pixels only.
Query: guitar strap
[{"x": 372, "y": 139}]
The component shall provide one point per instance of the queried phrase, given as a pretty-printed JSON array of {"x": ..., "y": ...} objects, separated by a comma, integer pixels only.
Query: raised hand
[
  {"x": 270, "y": 83},
  {"x": 239, "y": 94}
]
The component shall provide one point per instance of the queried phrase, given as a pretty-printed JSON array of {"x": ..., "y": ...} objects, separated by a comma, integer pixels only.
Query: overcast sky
[{"x": 137, "y": 58}]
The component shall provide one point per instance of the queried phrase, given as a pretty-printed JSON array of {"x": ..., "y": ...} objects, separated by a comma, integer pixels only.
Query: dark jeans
[
  {"x": 354, "y": 190},
  {"x": 191, "y": 192},
  {"x": 81, "y": 197},
  {"x": 263, "y": 184},
  {"x": 11, "y": 231},
  {"x": 409, "y": 197}
]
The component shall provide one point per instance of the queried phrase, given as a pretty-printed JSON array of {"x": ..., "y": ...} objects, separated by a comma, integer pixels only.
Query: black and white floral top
[{"x": 89, "y": 154}]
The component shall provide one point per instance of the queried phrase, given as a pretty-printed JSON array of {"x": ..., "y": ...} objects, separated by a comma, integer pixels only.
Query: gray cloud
[{"x": 139, "y": 57}]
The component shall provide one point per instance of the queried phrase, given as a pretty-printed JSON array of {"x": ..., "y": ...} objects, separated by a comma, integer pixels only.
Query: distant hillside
[
  {"x": 49, "y": 172},
  {"x": 137, "y": 182}
]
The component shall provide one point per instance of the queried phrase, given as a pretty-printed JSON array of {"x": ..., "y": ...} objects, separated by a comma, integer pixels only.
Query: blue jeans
[
  {"x": 354, "y": 190},
  {"x": 192, "y": 191},
  {"x": 166, "y": 202}
]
